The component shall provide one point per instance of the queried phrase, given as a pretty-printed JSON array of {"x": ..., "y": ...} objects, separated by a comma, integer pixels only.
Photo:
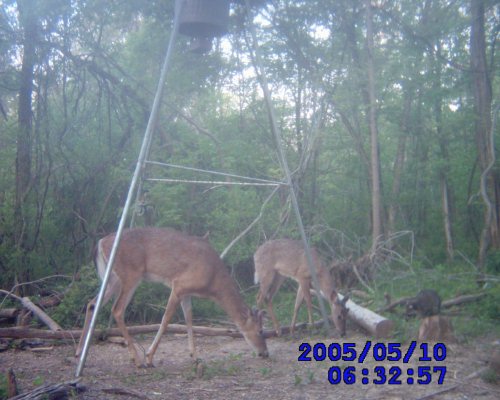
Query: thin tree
[
  {"x": 482, "y": 94},
  {"x": 377, "y": 220}
]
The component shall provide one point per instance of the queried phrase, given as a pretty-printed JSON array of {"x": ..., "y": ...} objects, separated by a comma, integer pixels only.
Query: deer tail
[{"x": 100, "y": 259}]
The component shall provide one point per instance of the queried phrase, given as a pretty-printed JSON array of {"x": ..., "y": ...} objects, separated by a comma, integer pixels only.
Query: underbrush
[{"x": 471, "y": 319}]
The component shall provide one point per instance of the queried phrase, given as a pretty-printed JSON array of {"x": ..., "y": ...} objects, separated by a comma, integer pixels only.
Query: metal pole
[
  {"x": 207, "y": 171},
  {"x": 284, "y": 164},
  {"x": 138, "y": 169},
  {"x": 141, "y": 181}
]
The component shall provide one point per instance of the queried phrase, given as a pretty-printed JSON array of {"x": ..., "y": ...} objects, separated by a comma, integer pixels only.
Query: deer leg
[
  {"x": 305, "y": 286},
  {"x": 113, "y": 287},
  {"x": 269, "y": 303},
  {"x": 298, "y": 302},
  {"x": 88, "y": 317},
  {"x": 266, "y": 294},
  {"x": 276, "y": 323},
  {"x": 188, "y": 317},
  {"x": 172, "y": 304},
  {"x": 118, "y": 311}
]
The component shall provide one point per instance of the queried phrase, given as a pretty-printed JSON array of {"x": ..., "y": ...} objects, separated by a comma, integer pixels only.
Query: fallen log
[
  {"x": 25, "y": 333},
  {"x": 377, "y": 325},
  {"x": 468, "y": 298},
  {"x": 28, "y": 304},
  {"x": 9, "y": 313},
  {"x": 53, "y": 325},
  {"x": 394, "y": 304},
  {"x": 28, "y": 333},
  {"x": 55, "y": 391}
]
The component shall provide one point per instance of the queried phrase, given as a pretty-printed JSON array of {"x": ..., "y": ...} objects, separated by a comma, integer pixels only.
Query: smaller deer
[
  {"x": 186, "y": 264},
  {"x": 276, "y": 260}
]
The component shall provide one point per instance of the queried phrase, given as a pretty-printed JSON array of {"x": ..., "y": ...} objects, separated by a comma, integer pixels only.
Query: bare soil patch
[{"x": 231, "y": 370}]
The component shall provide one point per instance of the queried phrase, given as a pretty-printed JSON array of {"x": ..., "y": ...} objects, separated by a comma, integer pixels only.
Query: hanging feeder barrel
[{"x": 204, "y": 18}]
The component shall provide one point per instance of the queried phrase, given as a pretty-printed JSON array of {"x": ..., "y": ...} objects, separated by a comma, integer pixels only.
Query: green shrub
[
  {"x": 449, "y": 280},
  {"x": 71, "y": 311}
]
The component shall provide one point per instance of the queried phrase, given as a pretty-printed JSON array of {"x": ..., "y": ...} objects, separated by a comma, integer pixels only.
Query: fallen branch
[
  {"x": 28, "y": 304},
  {"x": 9, "y": 313},
  {"x": 445, "y": 304},
  {"x": 27, "y": 333},
  {"x": 394, "y": 304},
  {"x": 55, "y": 391},
  {"x": 17, "y": 286},
  {"x": 468, "y": 298},
  {"x": 23, "y": 333}
]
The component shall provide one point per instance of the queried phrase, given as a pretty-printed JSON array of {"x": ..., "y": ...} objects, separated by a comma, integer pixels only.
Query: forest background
[{"x": 387, "y": 111}]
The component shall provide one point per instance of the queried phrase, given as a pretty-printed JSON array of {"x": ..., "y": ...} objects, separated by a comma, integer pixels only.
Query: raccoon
[{"x": 426, "y": 303}]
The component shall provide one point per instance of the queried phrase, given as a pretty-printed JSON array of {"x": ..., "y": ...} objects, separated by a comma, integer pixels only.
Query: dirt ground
[{"x": 230, "y": 369}]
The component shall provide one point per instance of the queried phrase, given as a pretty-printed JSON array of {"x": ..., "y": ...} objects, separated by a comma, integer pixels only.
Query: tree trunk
[
  {"x": 445, "y": 204},
  {"x": 24, "y": 140},
  {"x": 399, "y": 162},
  {"x": 482, "y": 93},
  {"x": 377, "y": 223},
  {"x": 443, "y": 145},
  {"x": 27, "y": 18}
]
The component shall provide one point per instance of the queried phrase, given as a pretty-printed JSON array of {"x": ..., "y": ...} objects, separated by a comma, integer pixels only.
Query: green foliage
[
  {"x": 73, "y": 305},
  {"x": 481, "y": 317},
  {"x": 224, "y": 367},
  {"x": 472, "y": 319},
  {"x": 493, "y": 263},
  {"x": 491, "y": 376},
  {"x": 38, "y": 381},
  {"x": 3, "y": 386}
]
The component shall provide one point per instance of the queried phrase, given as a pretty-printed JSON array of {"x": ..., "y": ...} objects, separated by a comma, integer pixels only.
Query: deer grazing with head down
[
  {"x": 186, "y": 264},
  {"x": 276, "y": 260}
]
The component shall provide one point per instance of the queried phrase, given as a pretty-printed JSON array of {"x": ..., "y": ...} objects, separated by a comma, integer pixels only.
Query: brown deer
[
  {"x": 276, "y": 260},
  {"x": 186, "y": 264}
]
